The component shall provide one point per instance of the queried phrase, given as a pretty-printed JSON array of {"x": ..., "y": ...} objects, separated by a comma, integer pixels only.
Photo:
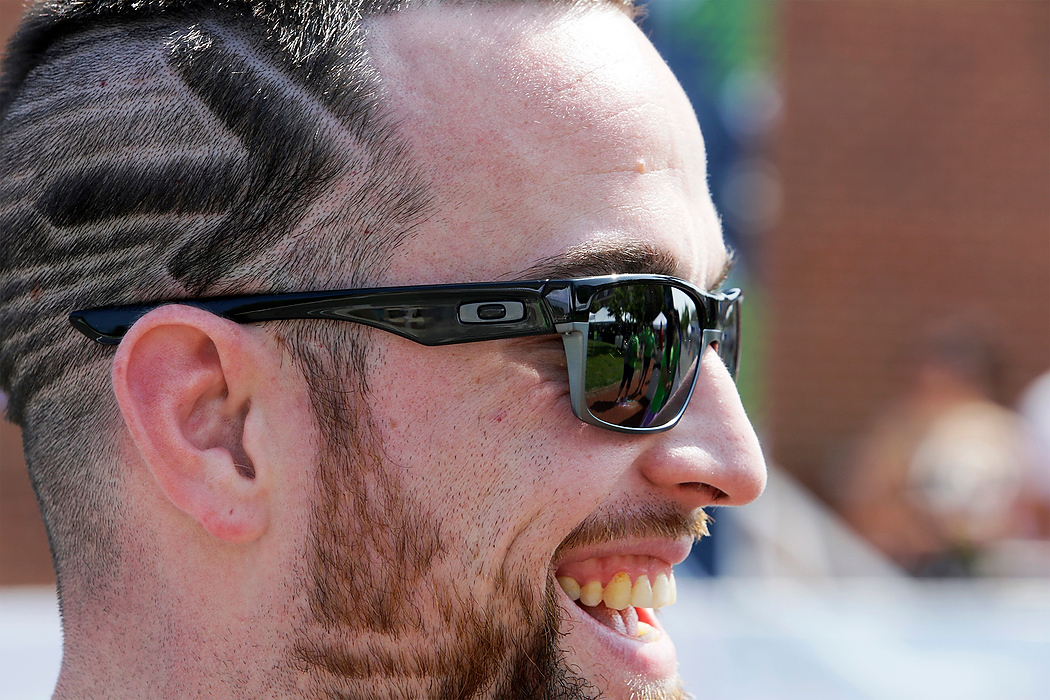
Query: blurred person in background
[{"x": 938, "y": 478}]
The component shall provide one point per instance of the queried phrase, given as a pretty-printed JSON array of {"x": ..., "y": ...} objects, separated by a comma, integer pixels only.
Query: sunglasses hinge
[{"x": 558, "y": 296}]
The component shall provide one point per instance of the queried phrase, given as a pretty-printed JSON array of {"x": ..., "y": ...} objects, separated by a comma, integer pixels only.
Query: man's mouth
[
  {"x": 610, "y": 589},
  {"x": 621, "y": 592}
]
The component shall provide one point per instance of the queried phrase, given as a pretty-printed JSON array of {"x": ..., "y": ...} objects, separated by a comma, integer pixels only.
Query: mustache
[{"x": 648, "y": 522}]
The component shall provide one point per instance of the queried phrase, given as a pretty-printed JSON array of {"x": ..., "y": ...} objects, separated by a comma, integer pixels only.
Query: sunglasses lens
[{"x": 642, "y": 353}]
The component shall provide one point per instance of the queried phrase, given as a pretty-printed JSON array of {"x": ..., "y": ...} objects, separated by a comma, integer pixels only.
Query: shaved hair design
[{"x": 166, "y": 154}]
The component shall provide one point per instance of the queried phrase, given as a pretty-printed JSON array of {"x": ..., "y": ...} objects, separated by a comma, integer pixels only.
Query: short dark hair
[{"x": 171, "y": 148}]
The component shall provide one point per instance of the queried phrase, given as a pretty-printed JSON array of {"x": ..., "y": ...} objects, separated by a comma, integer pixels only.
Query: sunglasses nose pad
[{"x": 712, "y": 339}]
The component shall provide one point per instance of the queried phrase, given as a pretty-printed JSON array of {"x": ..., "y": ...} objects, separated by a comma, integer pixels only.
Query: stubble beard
[{"x": 381, "y": 623}]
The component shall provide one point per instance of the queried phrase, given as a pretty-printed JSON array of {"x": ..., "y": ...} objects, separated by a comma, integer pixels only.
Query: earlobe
[{"x": 182, "y": 380}]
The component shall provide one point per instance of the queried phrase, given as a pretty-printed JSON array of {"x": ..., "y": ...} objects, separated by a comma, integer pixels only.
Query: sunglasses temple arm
[
  {"x": 574, "y": 338},
  {"x": 430, "y": 318}
]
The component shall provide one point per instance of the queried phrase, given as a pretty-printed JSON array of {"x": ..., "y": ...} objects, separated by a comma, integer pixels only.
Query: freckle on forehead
[{"x": 640, "y": 165}]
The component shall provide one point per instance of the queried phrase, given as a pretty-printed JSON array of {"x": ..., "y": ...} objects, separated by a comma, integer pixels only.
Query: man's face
[{"x": 556, "y": 146}]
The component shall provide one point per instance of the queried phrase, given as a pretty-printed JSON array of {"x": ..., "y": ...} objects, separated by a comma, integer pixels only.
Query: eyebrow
[
  {"x": 591, "y": 260},
  {"x": 588, "y": 260}
]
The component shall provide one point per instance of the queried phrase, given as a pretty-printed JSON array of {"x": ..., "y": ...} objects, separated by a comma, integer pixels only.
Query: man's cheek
[{"x": 526, "y": 404}]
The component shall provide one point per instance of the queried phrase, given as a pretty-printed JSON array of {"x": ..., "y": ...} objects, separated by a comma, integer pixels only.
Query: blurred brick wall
[
  {"x": 915, "y": 160},
  {"x": 24, "y": 556}
]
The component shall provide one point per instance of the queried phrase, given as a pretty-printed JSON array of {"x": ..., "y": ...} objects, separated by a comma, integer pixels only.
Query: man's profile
[{"x": 372, "y": 454}]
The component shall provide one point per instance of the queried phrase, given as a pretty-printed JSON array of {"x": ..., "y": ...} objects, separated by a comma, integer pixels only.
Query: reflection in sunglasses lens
[{"x": 642, "y": 353}]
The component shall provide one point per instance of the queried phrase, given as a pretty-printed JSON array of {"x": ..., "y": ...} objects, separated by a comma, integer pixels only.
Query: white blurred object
[
  {"x": 789, "y": 532},
  {"x": 862, "y": 639},
  {"x": 30, "y": 642}
]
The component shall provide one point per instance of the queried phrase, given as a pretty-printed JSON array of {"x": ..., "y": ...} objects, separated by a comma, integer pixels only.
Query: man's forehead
[{"x": 546, "y": 136}]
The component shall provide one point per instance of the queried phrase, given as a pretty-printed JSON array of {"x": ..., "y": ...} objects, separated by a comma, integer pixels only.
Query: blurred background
[{"x": 882, "y": 168}]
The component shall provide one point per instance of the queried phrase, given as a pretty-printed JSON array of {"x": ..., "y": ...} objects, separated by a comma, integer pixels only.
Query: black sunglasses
[{"x": 633, "y": 343}]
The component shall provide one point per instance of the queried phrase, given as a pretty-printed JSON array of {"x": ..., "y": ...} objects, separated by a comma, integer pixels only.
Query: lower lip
[{"x": 653, "y": 661}]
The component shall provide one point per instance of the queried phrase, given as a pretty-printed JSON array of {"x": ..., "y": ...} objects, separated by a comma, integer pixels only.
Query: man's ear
[{"x": 184, "y": 380}]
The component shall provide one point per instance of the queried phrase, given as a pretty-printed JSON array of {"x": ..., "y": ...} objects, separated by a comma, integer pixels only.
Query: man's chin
[{"x": 618, "y": 665}]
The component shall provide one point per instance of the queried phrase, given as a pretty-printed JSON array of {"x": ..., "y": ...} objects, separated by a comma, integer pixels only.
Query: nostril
[{"x": 714, "y": 494}]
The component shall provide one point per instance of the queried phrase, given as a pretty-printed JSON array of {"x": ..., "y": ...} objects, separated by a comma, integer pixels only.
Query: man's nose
[{"x": 713, "y": 445}]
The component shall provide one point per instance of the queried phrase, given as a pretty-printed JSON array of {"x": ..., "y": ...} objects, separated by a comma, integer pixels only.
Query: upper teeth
[{"x": 620, "y": 593}]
